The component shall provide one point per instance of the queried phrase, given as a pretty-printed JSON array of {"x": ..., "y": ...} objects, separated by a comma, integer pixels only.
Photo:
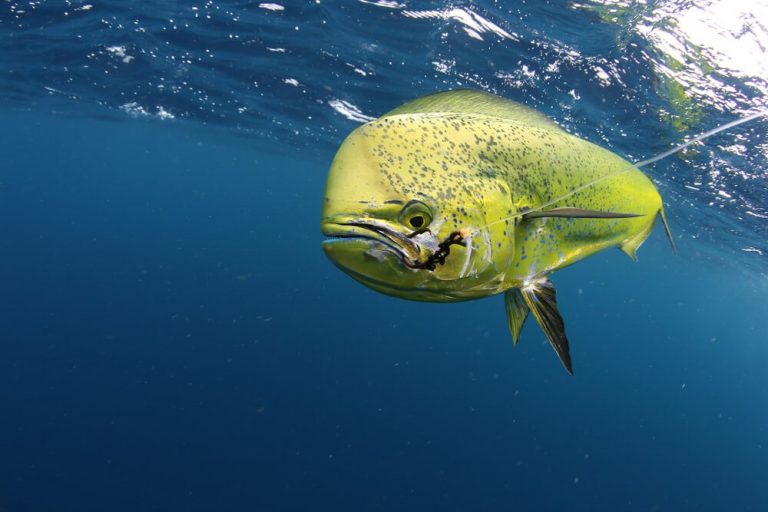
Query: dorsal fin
[{"x": 467, "y": 101}]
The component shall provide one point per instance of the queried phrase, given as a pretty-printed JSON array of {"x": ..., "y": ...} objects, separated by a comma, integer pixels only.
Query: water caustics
[{"x": 653, "y": 75}]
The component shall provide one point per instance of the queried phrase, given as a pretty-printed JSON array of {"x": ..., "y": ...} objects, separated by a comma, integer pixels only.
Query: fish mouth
[
  {"x": 419, "y": 250},
  {"x": 400, "y": 243}
]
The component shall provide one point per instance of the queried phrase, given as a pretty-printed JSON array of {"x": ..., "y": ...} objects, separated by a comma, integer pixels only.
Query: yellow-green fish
[{"x": 463, "y": 194}]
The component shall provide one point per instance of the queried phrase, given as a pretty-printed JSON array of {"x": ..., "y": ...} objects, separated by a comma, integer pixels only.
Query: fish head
[{"x": 410, "y": 222}]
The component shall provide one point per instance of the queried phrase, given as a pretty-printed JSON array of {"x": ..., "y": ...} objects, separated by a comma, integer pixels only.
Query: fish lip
[{"x": 378, "y": 232}]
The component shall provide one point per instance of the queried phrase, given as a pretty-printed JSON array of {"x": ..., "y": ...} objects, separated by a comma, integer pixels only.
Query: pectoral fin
[
  {"x": 517, "y": 312},
  {"x": 578, "y": 213},
  {"x": 540, "y": 297}
]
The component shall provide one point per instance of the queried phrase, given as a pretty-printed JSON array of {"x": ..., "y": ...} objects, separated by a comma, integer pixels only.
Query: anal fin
[
  {"x": 517, "y": 312},
  {"x": 541, "y": 299}
]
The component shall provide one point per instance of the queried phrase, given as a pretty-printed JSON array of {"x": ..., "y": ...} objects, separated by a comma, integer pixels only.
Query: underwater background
[{"x": 173, "y": 338}]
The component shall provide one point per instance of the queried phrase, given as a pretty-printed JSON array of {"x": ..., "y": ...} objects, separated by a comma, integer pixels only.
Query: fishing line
[{"x": 642, "y": 163}]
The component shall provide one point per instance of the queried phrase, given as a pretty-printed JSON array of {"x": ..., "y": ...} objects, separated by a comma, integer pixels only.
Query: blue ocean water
[{"x": 173, "y": 337}]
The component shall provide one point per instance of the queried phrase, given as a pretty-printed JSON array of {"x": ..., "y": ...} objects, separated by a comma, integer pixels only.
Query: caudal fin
[{"x": 666, "y": 229}]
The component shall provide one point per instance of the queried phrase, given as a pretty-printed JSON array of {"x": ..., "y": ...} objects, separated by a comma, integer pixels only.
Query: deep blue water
[{"x": 173, "y": 337}]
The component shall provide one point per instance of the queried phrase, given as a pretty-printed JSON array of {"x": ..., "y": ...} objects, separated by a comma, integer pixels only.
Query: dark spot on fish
[{"x": 393, "y": 201}]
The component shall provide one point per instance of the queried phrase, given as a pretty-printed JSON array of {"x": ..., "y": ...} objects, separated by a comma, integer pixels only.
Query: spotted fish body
[{"x": 462, "y": 195}]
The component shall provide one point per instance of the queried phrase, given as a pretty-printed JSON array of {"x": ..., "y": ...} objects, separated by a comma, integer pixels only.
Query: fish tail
[{"x": 667, "y": 230}]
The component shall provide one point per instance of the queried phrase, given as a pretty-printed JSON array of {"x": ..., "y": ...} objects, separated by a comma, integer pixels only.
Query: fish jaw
[
  {"x": 371, "y": 252},
  {"x": 377, "y": 267},
  {"x": 387, "y": 262},
  {"x": 375, "y": 233}
]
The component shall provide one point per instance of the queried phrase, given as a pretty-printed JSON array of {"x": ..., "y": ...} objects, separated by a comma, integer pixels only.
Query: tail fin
[{"x": 666, "y": 229}]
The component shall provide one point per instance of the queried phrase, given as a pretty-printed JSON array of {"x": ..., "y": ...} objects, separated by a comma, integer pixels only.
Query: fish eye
[{"x": 416, "y": 215}]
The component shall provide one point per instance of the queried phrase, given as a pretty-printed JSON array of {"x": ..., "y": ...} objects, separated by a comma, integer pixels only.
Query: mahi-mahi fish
[{"x": 462, "y": 194}]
